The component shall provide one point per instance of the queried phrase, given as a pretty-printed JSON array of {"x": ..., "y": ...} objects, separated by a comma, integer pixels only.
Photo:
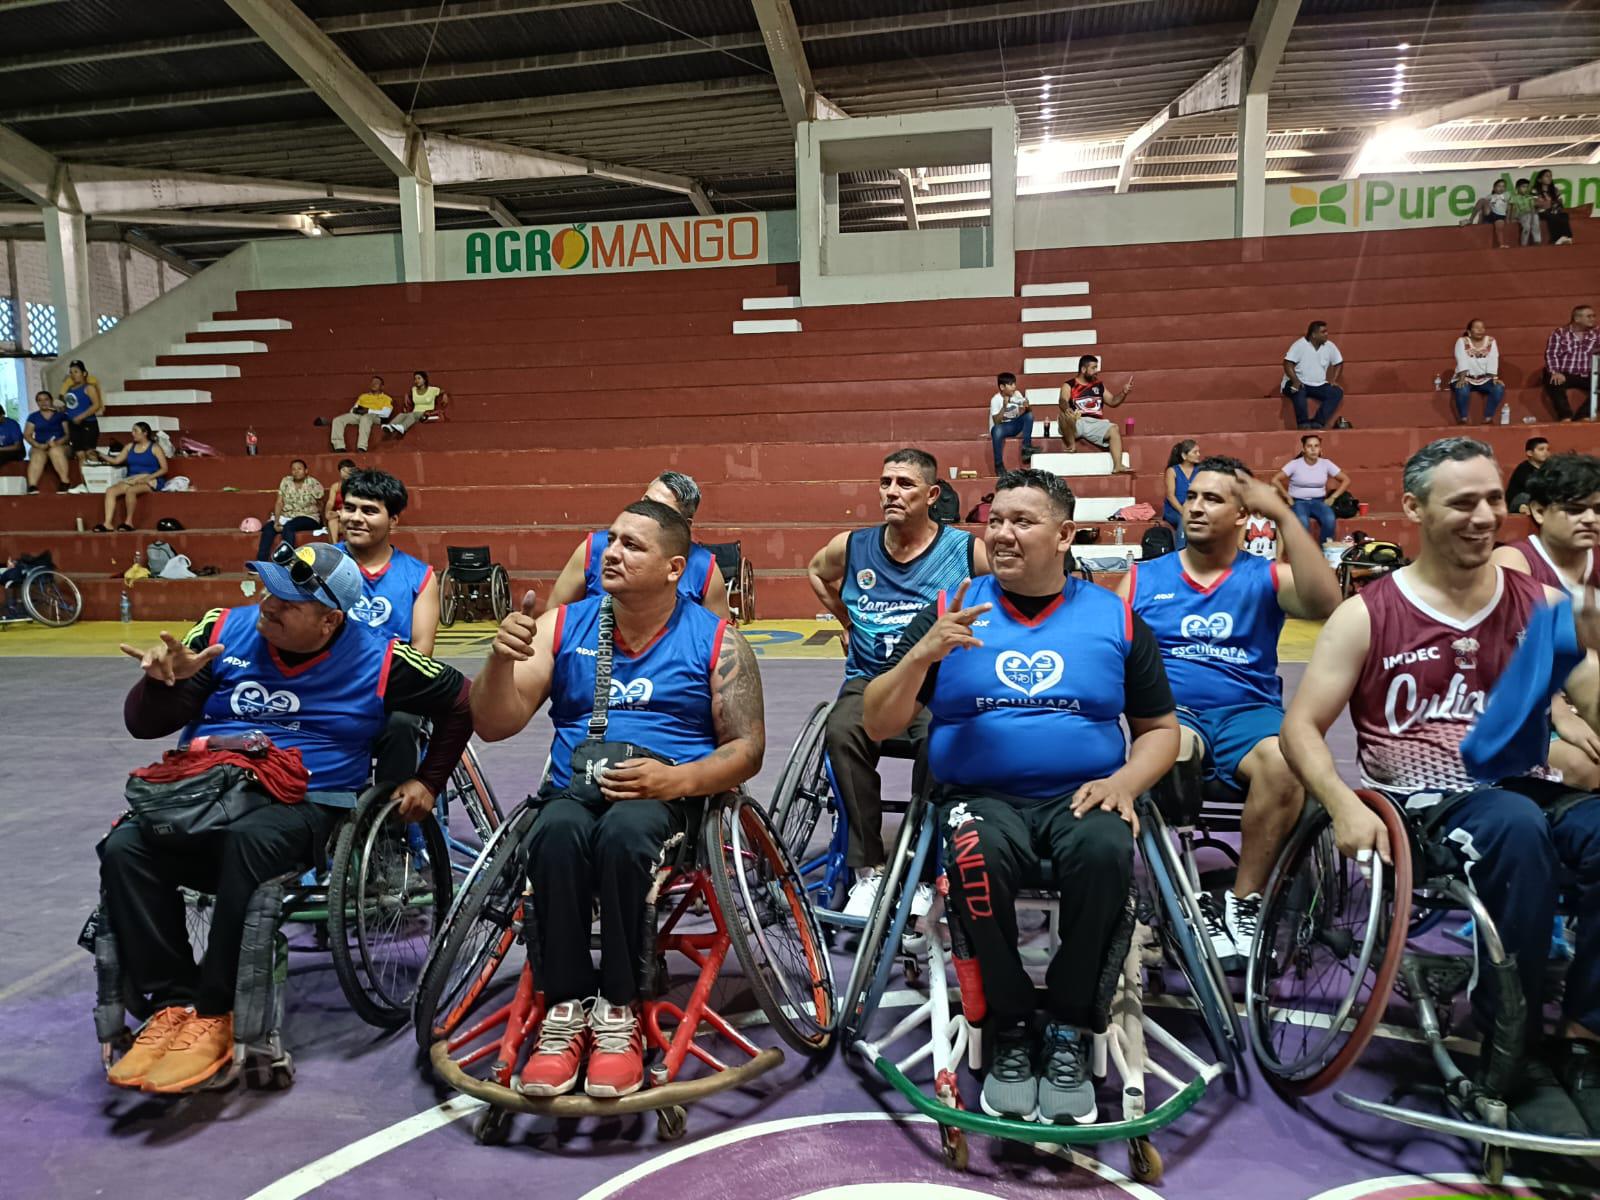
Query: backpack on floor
[
  {"x": 979, "y": 513},
  {"x": 157, "y": 555},
  {"x": 1157, "y": 540},
  {"x": 947, "y": 508}
]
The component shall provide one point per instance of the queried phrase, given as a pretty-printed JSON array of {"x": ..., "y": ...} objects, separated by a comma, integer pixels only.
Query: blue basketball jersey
[
  {"x": 882, "y": 595},
  {"x": 77, "y": 401},
  {"x": 144, "y": 462},
  {"x": 1036, "y": 710},
  {"x": 660, "y": 694},
  {"x": 693, "y": 583},
  {"x": 388, "y": 593},
  {"x": 329, "y": 708},
  {"x": 1219, "y": 644}
]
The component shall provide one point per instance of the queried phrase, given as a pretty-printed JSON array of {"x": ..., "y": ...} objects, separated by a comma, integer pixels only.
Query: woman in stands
[
  {"x": 427, "y": 404},
  {"x": 147, "y": 469},
  {"x": 1180, "y": 470},
  {"x": 82, "y": 403},
  {"x": 1552, "y": 210},
  {"x": 1477, "y": 370}
]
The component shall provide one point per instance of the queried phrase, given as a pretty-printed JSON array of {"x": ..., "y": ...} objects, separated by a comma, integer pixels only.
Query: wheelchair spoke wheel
[
  {"x": 1329, "y": 948},
  {"x": 470, "y": 810},
  {"x": 747, "y": 591},
  {"x": 51, "y": 598},
  {"x": 804, "y": 792},
  {"x": 769, "y": 918},
  {"x": 500, "y": 592},
  {"x": 886, "y": 925},
  {"x": 449, "y": 599},
  {"x": 482, "y": 926}
]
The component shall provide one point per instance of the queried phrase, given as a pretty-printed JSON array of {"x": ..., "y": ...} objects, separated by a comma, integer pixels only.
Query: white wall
[{"x": 1101, "y": 219}]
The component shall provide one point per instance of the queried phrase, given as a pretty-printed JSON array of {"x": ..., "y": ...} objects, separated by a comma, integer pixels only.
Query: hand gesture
[
  {"x": 1109, "y": 795},
  {"x": 1128, "y": 387},
  {"x": 515, "y": 637},
  {"x": 1260, "y": 497},
  {"x": 172, "y": 660},
  {"x": 416, "y": 801},
  {"x": 640, "y": 779},
  {"x": 952, "y": 630}
]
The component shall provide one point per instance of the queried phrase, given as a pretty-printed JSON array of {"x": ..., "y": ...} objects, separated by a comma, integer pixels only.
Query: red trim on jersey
[
  {"x": 1133, "y": 578},
  {"x": 1030, "y": 622},
  {"x": 286, "y": 669},
  {"x": 216, "y": 628},
  {"x": 942, "y": 601},
  {"x": 644, "y": 649},
  {"x": 555, "y": 637},
  {"x": 1215, "y": 583},
  {"x": 716, "y": 647},
  {"x": 427, "y": 577},
  {"x": 1274, "y": 566},
  {"x": 705, "y": 584},
  {"x": 388, "y": 657},
  {"x": 1127, "y": 622},
  {"x": 374, "y": 576}
]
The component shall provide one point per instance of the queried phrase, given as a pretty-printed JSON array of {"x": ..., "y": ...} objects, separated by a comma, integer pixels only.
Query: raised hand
[
  {"x": 172, "y": 660},
  {"x": 1260, "y": 497},
  {"x": 953, "y": 630},
  {"x": 515, "y": 637}
]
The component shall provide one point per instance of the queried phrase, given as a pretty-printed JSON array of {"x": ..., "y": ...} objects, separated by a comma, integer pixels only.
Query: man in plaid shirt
[{"x": 1567, "y": 359}]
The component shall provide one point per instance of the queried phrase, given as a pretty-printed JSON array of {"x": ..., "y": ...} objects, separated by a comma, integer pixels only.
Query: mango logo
[
  {"x": 570, "y": 249},
  {"x": 1327, "y": 205}
]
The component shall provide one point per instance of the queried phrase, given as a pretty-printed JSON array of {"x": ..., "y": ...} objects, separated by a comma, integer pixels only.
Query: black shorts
[{"x": 83, "y": 437}]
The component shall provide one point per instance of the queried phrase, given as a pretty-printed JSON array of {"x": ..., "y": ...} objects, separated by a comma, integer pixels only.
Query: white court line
[
  {"x": 1371, "y": 1187},
  {"x": 39, "y": 976},
  {"x": 341, "y": 1162}
]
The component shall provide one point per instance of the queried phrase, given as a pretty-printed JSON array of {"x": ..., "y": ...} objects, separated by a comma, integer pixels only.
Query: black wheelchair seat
[{"x": 470, "y": 564}]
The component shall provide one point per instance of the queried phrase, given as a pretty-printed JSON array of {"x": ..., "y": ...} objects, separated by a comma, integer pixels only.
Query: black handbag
[
  {"x": 594, "y": 755},
  {"x": 175, "y": 812}
]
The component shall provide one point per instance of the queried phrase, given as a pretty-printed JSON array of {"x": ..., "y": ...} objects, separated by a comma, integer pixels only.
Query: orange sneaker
[
  {"x": 200, "y": 1050},
  {"x": 616, "y": 1065},
  {"x": 148, "y": 1047},
  {"x": 552, "y": 1069}
]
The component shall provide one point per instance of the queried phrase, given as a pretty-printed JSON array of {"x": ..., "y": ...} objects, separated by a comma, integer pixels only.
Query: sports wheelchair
[
  {"x": 1340, "y": 941},
  {"x": 731, "y": 887},
  {"x": 34, "y": 590},
  {"x": 1161, "y": 940},
  {"x": 739, "y": 576},
  {"x": 374, "y": 909},
  {"x": 472, "y": 583}
]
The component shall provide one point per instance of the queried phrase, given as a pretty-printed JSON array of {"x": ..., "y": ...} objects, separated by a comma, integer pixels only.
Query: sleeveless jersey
[
  {"x": 1089, "y": 398},
  {"x": 693, "y": 583},
  {"x": 1219, "y": 644},
  {"x": 77, "y": 400},
  {"x": 1543, "y": 568},
  {"x": 1261, "y": 537},
  {"x": 660, "y": 695},
  {"x": 882, "y": 595},
  {"x": 1425, "y": 681},
  {"x": 1180, "y": 488},
  {"x": 144, "y": 462},
  {"x": 330, "y": 708},
  {"x": 1036, "y": 710},
  {"x": 388, "y": 593}
]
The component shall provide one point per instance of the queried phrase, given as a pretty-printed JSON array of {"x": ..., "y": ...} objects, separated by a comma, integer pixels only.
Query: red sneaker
[
  {"x": 616, "y": 1066},
  {"x": 552, "y": 1069}
]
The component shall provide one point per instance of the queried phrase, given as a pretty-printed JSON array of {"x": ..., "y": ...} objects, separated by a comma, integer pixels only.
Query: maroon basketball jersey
[
  {"x": 1425, "y": 680},
  {"x": 1542, "y": 568}
]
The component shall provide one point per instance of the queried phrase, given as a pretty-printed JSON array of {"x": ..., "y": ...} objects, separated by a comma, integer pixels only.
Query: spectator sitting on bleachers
[
  {"x": 331, "y": 517},
  {"x": 1477, "y": 370},
  {"x": 146, "y": 463},
  {"x": 1536, "y": 452},
  {"x": 1010, "y": 415},
  {"x": 1552, "y": 208},
  {"x": 11, "y": 446},
  {"x": 1306, "y": 479},
  {"x": 427, "y": 404},
  {"x": 1526, "y": 213},
  {"x": 297, "y": 510},
  {"x": 1083, "y": 405},
  {"x": 45, "y": 432},
  {"x": 1567, "y": 359},
  {"x": 373, "y": 407},
  {"x": 1494, "y": 209},
  {"x": 1311, "y": 367},
  {"x": 1180, "y": 470}
]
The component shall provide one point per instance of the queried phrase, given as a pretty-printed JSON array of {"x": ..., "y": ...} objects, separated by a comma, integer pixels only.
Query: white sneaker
[
  {"x": 1243, "y": 916},
  {"x": 864, "y": 894},
  {"x": 1216, "y": 928},
  {"x": 922, "y": 900},
  {"x": 81, "y": 490}
]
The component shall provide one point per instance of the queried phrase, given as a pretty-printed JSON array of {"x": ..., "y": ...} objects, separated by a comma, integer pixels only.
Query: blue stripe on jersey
[
  {"x": 882, "y": 595},
  {"x": 387, "y": 597},
  {"x": 1218, "y": 644},
  {"x": 694, "y": 583}
]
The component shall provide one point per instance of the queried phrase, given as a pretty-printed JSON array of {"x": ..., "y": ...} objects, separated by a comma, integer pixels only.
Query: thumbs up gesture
[{"x": 515, "y": 637}]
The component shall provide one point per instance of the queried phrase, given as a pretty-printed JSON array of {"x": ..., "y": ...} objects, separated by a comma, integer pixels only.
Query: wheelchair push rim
[
  {"x": 51, "y": 598},
  {"x": 883, "y": 937},
  {"x": 802, "y": 794}
]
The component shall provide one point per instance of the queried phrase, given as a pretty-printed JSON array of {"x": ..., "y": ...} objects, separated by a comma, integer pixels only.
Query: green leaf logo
[{"x": 1312, "y": 205}]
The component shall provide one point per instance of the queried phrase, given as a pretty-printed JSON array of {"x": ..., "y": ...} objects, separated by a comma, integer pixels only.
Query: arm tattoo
[{"x": 737, "y": 706}]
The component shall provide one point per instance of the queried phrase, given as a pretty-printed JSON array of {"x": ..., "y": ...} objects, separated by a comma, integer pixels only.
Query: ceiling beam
[
  {"x": 295, "y": 222},
  {"x": 908, "y": 199},
  {"x": 787, "y": 53},
  {"x": 155, "y": 249},
  {"x": 30, "y": 169}
]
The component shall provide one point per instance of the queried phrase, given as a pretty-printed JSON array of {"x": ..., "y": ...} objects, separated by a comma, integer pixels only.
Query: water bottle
[
  {"x": 250, "y": 441},
  {"x": 1127, "y": 426},
  {"x": 1119, "y": 535},
  {"x": 126, "y": 607},
  {"x": 1438, "y": 386},
  {"x": 1505, "y": 414}
]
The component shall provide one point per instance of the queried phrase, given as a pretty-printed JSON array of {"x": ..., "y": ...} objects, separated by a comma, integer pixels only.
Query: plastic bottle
[
  {"x": 1505, "y": 414},
  {"x": 126, "y": 607},
  {"x": 250, "y": 441},
  {"x": 1119, "y": 535},
  {"x": 1438, "y": 386},
  {"x": 1127, "y": 426}
]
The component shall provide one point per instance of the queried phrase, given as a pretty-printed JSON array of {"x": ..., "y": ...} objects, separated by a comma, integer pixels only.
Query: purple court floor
[{"x": 364, "y": 1120}]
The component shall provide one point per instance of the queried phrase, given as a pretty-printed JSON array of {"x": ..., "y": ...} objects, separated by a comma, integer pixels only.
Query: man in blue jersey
[
  {"x": 685, "y": 688},
  {"x": 875, "y": 580},
  {"x": 1217, "y": 613},
  {"x": 1027, "y": 677},
  {"x": 701, "y": 582},
  {"x": 294, "y": 668}
]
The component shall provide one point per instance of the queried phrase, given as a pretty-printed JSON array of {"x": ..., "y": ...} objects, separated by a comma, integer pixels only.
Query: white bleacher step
[
  {"x": 1059, "y": 337},
  {"x": 1050, "y": 366},
  {"x": 210, "y": 348},
  {"x": 157, "y": 396},
  {"x": 1095, "y": 508},
  {"x": 1070, "y": 465},
  {"x": 244, "y": 325},
  {"x": 13, "y": 485},
  {"x": 785, "y": 326},
  {"x": 125, "y": 424},
  {"x": 1078, "y": 287},
  {"x": 1106, "y": 550},
  {"x": 754, "y": 303},
  {"x": 1070, "y": 312},
  {"x": 205, "y": 371},
  {"x": 1044, "y": 397}
]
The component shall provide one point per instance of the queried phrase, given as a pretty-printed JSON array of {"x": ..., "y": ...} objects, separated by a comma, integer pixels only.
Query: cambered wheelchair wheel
[
  {"x": 471, "y": 812},
  {"x": 804, "y": 792},
  {"x": 482, "y": 926},
  {"x": 769, "y": 918},
  {"x": 500, "y": 592},
  {"x": 1328, "y": 951},
  {"x": 449, "y": 598},
  {"x": 886, "y": 925},
  {"x": 747, "y": 591},
  {"x": 388, "y": 891},
  {"x": 51, "y": 597}
]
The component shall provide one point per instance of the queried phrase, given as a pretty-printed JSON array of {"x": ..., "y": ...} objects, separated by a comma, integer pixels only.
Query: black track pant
[
  {"x": 992, "y": 849},
  {"x": 578, "y": 850},
  {"x": 141, "y": 881},
  {"x": 854, "y": 757}
]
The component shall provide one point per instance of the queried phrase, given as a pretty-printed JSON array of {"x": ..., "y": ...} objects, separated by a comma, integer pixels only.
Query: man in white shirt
[
  {"x": 1010, "y": 415},
  {"x": 1312, "y": 367}
]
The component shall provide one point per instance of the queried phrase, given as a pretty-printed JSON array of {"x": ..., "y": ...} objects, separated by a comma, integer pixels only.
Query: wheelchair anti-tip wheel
[
  {"x": 1331, "y": 939},
  {"x": 804, "y": 793}
]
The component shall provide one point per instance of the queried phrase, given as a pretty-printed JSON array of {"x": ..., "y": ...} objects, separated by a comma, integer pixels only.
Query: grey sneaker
[
  {"x": 1010, "y": 1089},
  {"x": 1066, "y": 1093}
]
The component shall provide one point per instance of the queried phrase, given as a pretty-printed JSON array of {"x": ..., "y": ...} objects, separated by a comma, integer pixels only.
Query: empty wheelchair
[
  {"x": 1340, "y": 941},
  {"x": 34, "y": 590},
  {"x": 728, "y": 887},
  {"x": 739, "y": 576},
  {"x": 473, "y": 587}
]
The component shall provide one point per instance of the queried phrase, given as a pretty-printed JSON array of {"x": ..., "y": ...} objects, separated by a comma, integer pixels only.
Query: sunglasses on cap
[{"x": 302, "y": 573}]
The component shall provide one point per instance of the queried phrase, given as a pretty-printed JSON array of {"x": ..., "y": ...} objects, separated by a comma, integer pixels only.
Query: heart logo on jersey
[
  {"x": 632, "y": 694},
  {"x": 1029, "y": 675},
  {"x": 1213, "y": 628},
  {"x": 372, "y": 610},
  {"x": 253, "y": 701}
]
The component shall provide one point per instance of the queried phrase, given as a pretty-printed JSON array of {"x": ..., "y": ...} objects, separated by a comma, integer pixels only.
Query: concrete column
[
  {"x": 416, "y": 229},
  {"x": 1250, "y": 187},
  {"x": 66, "y": 241}
]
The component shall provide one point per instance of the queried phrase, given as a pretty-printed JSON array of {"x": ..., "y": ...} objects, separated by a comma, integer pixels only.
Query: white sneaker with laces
[
  {"x": 1216, "y": 928},
  {"x": 1243, "y": 916},
  {"x": 864, "y": 894},
  {"x": 922, "y": 900}
]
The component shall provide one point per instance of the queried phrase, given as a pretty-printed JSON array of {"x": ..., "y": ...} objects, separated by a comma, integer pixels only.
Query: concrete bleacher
[{"x": 567, "y": 393}]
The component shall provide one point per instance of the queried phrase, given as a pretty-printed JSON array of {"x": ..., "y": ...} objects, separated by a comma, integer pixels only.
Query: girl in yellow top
[{"x": 427, "y": 402}]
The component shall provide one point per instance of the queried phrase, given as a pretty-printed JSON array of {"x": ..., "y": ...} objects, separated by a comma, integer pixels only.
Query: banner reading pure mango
[
  {"x": 1406, "y": 201},
  {"x": 672, "y": 243}
]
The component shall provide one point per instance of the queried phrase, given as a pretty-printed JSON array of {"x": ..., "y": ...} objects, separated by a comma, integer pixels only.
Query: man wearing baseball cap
[{"x": 293, "y": 668}]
